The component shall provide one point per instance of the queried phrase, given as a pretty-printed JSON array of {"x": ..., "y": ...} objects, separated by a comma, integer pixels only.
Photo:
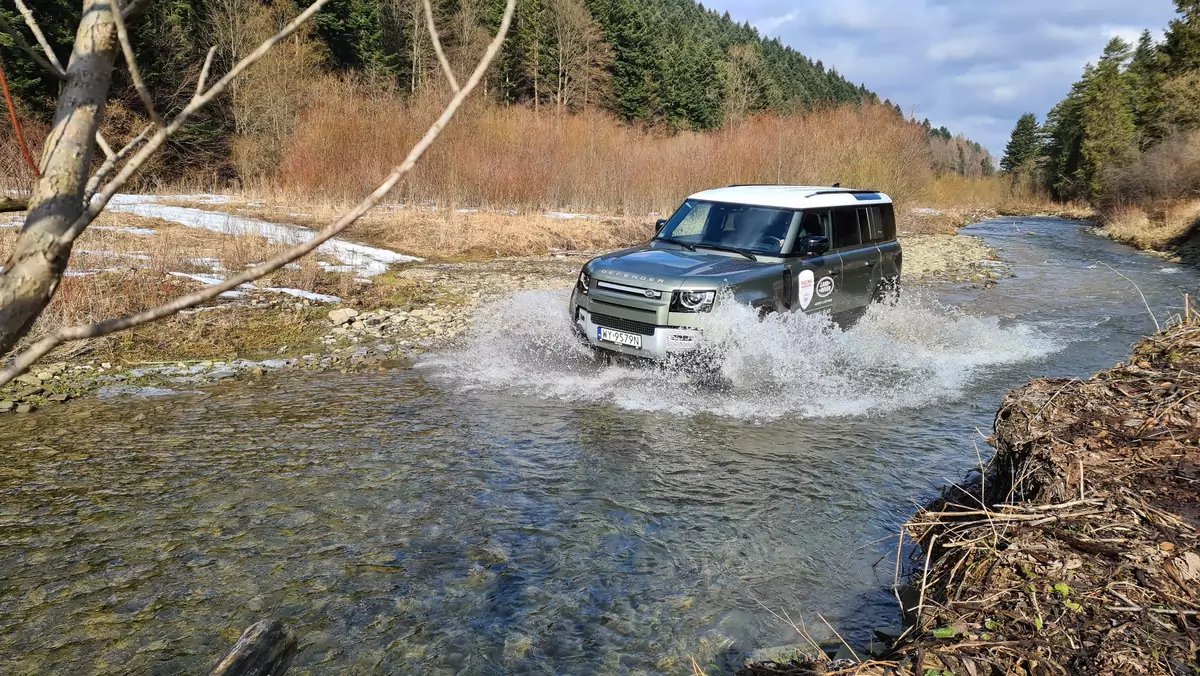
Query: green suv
[{"x": 775, "y": 248}]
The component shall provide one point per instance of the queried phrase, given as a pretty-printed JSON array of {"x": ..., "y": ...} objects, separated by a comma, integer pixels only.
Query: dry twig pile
[{"x": 1079, "y": 551}]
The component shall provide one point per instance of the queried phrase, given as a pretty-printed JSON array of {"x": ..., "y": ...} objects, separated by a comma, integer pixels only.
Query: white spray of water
[{"x": 915, "y": 353}]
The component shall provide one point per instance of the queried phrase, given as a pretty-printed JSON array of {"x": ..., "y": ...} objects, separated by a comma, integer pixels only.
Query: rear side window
[
  {"x": 870, "y": 221},
  {"x": 846, "y": 233}
]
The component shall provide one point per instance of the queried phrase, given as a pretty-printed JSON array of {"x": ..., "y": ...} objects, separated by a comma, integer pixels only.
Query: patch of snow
[
  {"x": 330, "y": 267},
  {"x": 466, "y": 211},
  {"x": 300, "y": 293},
  {"x": 129, "y": 231},
  {"x": 209, "y": 280},
  {"x": 367, "y": 260},
  {"x": 565, "y": 216},
  {"x": 926, "y": 211},
  {"x": 212, "y": 263}
]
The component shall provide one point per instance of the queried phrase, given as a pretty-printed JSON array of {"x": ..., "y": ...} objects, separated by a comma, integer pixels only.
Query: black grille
[{"x": 626, "y": 325}]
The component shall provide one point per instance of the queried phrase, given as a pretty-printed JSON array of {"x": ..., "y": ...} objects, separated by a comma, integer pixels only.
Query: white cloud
[{"x": 972, "y": 66}]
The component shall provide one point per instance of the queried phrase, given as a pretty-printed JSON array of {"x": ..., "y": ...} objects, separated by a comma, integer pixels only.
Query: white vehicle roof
[{"x": 793, "y": 196}]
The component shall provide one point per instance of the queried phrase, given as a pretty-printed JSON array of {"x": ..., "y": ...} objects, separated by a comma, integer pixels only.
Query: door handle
[{"x": 870, "y": 264}]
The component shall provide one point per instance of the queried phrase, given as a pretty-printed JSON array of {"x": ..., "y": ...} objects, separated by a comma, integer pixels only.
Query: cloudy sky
[{"x": 971, "y": 65}]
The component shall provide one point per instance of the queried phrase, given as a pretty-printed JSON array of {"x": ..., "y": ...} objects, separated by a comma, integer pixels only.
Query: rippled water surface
[{"x": 514, "y": 506}]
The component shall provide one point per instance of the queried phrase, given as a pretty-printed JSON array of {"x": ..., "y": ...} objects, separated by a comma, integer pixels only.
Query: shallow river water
[{"x": 513, "y": 507}]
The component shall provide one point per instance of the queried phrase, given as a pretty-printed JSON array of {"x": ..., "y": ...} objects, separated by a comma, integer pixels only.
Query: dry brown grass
[
  {"x": 444, "y": 234},
  {"x": 129, "y": 272},
  {"x": 1159, "y": 227},
  {"x": 504, "y": 158}
]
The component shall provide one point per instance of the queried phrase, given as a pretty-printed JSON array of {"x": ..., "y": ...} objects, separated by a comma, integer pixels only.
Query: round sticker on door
[
  {"x": 807, "y": 282},
  {"x": 825, "y": 287}
]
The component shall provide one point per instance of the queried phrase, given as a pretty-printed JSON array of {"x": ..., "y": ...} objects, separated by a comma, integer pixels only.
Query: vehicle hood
[{"x": 659, "y": 266}]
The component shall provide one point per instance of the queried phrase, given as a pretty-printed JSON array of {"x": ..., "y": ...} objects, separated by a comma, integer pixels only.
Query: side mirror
[
  {"x": 815, "y": 245},
  {"x": 660, "y": 223}
]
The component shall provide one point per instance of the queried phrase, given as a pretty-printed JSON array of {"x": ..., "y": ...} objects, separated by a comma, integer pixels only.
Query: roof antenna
[{"x": 836, "y": 185}]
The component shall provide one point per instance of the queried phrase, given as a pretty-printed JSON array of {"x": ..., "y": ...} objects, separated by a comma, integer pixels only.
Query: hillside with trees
[{"x": 666, "y": 65}]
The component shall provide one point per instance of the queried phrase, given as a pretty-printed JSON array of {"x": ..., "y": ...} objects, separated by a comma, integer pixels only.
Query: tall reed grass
[{"x": 511, "y": 157}]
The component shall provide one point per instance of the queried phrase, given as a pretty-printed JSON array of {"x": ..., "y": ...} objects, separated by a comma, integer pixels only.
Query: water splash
[{"x": 915, "y": 353}]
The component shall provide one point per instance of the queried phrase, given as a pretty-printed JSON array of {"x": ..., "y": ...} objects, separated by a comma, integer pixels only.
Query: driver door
[{"x": 814, "y": 280}]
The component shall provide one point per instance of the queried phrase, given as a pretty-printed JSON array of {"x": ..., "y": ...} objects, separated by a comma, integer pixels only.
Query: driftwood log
[
  {"x": 265, "y": 649},
  {"x": 13, "y": 204}
]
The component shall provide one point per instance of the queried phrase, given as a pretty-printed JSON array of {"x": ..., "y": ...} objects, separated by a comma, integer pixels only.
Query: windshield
[{"x": 733, "y": 226}]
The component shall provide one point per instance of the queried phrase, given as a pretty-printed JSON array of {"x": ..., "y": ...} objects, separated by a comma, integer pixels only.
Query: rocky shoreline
[{"x": 442, "y": 313}]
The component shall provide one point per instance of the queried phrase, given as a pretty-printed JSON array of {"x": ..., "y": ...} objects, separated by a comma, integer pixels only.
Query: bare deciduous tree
[
  {"x": 69, "y": 196},
  {"x": 582, "y": 54}
]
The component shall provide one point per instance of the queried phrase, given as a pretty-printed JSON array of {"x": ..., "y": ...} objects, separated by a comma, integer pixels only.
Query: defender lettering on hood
[{"x": 774, "y": 248}]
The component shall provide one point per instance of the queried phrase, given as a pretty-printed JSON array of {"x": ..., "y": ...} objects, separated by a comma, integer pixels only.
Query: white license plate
[{"x": 620, "y": 338}]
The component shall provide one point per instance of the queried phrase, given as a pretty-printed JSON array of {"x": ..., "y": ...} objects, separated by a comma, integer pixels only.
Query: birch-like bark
[{"x": 32, "y": 272}]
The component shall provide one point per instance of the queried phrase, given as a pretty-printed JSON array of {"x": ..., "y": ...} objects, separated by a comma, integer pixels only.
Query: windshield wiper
[
  {"x": 727, "y": 248},
  {"x": 686, "y": 245}
]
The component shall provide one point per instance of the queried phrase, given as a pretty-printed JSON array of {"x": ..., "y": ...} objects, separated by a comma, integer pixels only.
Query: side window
[
  {"x": 693, "y": 224},
  {"x": 889, "y": 222},
  {"x": 846, "y": 233},
  {"x": 814, "y": 224},
  {"x": 871, "y": 222}
]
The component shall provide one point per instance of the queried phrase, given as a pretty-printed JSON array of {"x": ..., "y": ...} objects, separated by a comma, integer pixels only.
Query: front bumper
[{"x": 666, "y": 343}]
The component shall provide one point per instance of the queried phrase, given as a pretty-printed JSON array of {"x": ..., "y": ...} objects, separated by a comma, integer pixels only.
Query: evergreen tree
[
  {"x": 1024, "y": 146},
  {"x": 1109, "y": 133},
  {"x": 1145, "y": 80},
  {"x": 986, "y": 168},
  {"x": 1064, "y": 141},
  {"x": 1182, "y": 45}
]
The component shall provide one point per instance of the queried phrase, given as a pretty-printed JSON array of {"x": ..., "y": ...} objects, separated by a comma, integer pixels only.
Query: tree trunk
[
  {"x": 33, "y": 270},
  {"x": 265, "y": 649}
]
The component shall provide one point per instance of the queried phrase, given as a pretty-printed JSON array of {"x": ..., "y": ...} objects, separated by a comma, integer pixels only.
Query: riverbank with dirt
[
  {"x": 1078, "y": 549},
  {"x": 324, "y": 316}
]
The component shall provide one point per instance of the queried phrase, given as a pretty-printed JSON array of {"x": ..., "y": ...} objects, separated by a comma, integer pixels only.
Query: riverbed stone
[
  {"x": 28, "y": 379},
  {"x": 7, "y": 405},
  {"x": 25, "y": 408},
  {"x": 59, "y": 398},
  {"x": 784, "y": 654},
  {"x": 342, "y": 315}
]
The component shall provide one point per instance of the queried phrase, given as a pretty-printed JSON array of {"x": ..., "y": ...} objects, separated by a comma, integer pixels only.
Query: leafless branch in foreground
[
  {"x": 135, "y": 74},
  {"x": 28, "y": 49},
  {"x": 42, "y": 347},
  {"x": 437, "y": 47},
  {"x": 39, "y": 36}
]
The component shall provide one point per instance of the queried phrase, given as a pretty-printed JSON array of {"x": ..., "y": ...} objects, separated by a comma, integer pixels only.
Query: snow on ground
[
  {"x": 128, "y": 231},
  {"x": 367, "y": 260},
  {"x": 209, "y": 280}
]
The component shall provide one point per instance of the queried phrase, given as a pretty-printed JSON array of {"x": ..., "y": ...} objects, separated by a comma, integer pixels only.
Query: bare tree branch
[
  {"x": 28, "y": 49},
  {"x": 437, "y": 48},
  {"x": 208, "y": 59},
  {"x": 104, "y": 147},
  {"x": 43, "y": 347},
  {"x": 135, "y": 75},
  {"x": 199, "y": 100},
  {"x": 112, "y": 162},
  {"x": 40, "y": 36}
]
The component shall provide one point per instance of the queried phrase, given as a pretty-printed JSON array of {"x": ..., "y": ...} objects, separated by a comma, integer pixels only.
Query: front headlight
[
  {"x": 585, "y": 282},
  {"x": 693, "y": 301}
]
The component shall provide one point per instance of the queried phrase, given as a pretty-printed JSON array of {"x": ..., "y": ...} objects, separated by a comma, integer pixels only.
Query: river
[{"x": 512, "y": 507}]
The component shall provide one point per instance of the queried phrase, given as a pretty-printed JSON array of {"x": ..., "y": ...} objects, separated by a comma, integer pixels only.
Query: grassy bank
[{"x": 1079, "y": 550}]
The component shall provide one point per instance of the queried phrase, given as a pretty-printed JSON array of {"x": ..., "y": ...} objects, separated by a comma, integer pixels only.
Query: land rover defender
[{"x": 775, "y": 248}]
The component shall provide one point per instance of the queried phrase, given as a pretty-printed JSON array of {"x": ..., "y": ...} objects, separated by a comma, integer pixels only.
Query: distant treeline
[
  {"x": 670, "y": 65},
  {"x": 1127, "y": 131}
]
